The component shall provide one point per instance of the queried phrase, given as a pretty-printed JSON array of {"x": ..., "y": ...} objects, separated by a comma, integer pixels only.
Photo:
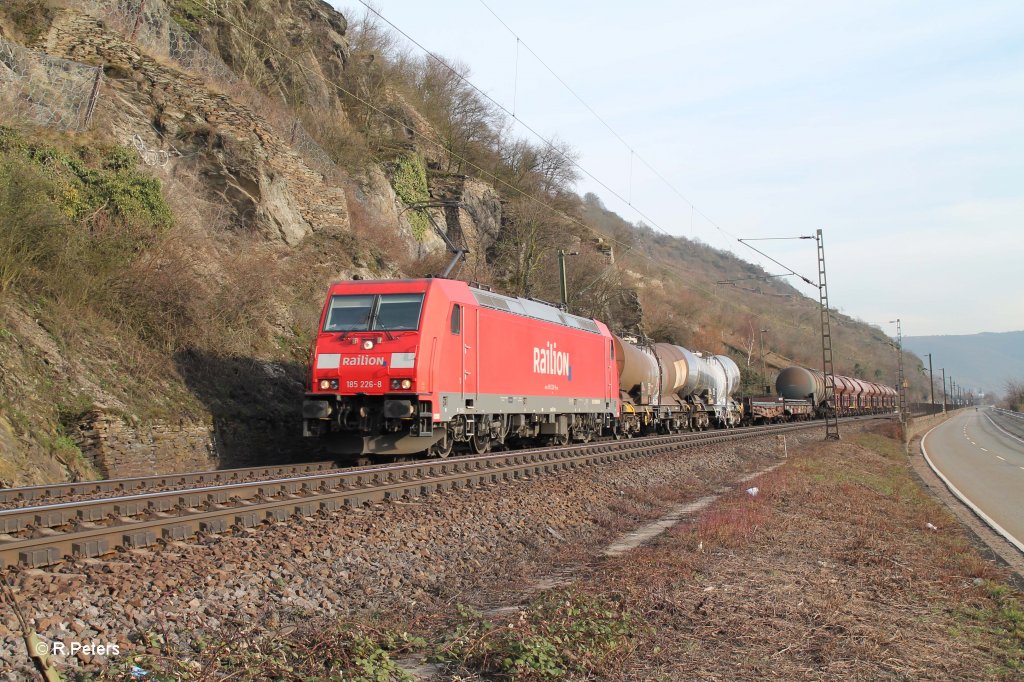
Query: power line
[
  {"x": 786, "y": 267},
  {"x": 549, "y": 143},
  {"x": 608, "y": 126},
  {"x": 490, "y": 175},
  {"x": 519, "y": 120},
  {"x": 632, "y": 152}
]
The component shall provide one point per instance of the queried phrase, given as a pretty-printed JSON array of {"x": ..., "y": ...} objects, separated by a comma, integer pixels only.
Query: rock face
[
  {"x": 191, "y": 128},
  {"x": 189, "y": 87},
  {"x": 311, "y": 31},
  {"x": 117, "y": 447},
  {"x": 475, "y": 221}
]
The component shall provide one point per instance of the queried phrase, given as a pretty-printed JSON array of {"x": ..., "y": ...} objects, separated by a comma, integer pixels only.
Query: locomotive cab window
[
  {"x": 348, "y": 313},
  {"x": 398, "y": 312},
  {"x": 456, "y": 319},
  {"x": 365, "y": 312}
]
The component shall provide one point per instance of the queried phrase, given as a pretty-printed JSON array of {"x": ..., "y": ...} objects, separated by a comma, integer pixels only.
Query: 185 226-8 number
[{"x": 365, "y": 383}]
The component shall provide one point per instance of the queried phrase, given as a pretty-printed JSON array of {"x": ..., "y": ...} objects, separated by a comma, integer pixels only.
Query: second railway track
[
  {"x": 41, "y": 535},
  {"x": 37, "y": 494}
]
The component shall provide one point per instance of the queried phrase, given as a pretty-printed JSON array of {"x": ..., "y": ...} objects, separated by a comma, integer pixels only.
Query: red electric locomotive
[{"x": 407, "y": 366}]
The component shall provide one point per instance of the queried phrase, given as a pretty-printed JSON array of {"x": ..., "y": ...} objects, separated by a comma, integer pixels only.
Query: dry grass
[{"x": 830, "y": 572}]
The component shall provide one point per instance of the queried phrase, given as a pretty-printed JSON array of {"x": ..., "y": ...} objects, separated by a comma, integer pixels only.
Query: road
[{"x": 985, "y": 463}]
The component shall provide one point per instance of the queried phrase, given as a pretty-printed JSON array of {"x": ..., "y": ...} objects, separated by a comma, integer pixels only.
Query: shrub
[
  {"x": 32, "y": 229},
  {"x": 560, "y": 635},
  {"x": 409, "y": 178}
]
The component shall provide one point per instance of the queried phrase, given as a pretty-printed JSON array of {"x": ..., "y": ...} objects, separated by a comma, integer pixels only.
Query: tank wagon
[
  {"x": 852, "y": 396},
  {"x": 669, "y": 388}
]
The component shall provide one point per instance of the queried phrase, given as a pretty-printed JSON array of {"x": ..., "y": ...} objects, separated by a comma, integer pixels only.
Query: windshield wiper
[
  {"x": 362, "y": 323},
  {"x": 373, "y": 324}
]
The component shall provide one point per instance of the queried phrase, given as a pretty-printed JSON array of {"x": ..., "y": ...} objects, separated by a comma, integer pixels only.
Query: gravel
[{"x": 400, "y": 557}]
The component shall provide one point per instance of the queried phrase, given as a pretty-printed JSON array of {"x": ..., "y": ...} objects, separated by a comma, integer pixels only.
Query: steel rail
[
  {"x": 109, "y": 485},
  {"x": 57, "y": 514},
  {"x": 44, "y": 535}
]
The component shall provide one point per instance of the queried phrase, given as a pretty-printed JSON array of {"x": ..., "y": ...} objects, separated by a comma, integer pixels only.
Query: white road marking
[
  {"x": 949, "y": 484},
  {"x": 984, "y": 450},
  {"x": 998, "y": 457}
]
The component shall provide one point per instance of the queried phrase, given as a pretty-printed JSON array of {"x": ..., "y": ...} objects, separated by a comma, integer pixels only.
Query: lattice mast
[
  {"x": 899, "y": 372},
  {"x": 831, "y": 416}
]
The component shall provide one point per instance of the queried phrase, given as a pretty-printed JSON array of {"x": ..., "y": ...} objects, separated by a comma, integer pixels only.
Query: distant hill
[{"x": 983, "y": 361}]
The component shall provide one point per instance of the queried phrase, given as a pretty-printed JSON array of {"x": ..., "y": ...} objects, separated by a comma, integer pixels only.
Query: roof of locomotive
[{"x": 463, "y": 291}]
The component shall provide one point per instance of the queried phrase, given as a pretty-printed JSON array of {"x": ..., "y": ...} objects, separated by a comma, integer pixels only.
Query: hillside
[
  {"x": 179, "y": 184},
  {"x": 983, "y": 361}
]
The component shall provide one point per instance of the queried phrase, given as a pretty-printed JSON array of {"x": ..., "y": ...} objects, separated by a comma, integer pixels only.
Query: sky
[{"x": 897, "y": 128}]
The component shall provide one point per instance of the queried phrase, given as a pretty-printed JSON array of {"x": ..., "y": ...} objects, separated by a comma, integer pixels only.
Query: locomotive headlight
[
  {"x": 367, "y": 344},
  {"x": 406, "y": 384},
  {"x": 324, "y": 384},
  {"x": 396, "y": 384}
]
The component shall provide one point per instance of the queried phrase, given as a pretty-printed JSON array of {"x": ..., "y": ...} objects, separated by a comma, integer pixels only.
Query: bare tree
[
  {"x": 463, "y": 118},
  {"x": 1015, "y": 395},
  {"x": 546, "y": 168},
  {"x": 533, "y": 232},
  {"x": 748, "y": 342}
]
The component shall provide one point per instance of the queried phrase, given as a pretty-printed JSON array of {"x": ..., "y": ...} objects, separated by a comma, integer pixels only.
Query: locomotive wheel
[
  {"x": 443, "y": 447},
  {"x": 560, "y": 439},
  {"x": 480, "y": 444}
]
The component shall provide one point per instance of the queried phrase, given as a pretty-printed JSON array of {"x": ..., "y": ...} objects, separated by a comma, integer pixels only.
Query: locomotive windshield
[{"x": 368, "y": 312}]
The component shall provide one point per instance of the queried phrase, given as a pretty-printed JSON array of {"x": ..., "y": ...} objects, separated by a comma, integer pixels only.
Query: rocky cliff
[{"x": 216, "y": 115}]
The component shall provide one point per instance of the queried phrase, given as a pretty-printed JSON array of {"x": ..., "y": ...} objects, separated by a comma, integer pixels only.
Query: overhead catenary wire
[
  {"x": 483, "y": 171},
  {"x": 607, "y": 125},
  {"x": 550, "y": 143},
  {"x": 785, "y": 267},
  {"x": 515, "y": 81},
  {"x": 626, "y": 200},
  {"x": 632, "y": 151}
]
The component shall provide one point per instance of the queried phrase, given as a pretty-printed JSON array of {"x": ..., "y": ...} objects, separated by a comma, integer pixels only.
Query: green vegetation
[
  {"x": 98, "y": 273},
  {"x": 324, "y": 650},
  {"x": 71, "y": 220},
  {"x": 191, "y": 14},
  {"x": 1003, "y": 619},
  {"x": 561, "y": 635},
  {"x": 409, "y": 179}
]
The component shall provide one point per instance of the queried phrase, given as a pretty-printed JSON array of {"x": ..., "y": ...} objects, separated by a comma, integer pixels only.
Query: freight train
[
  {"x": 850, "y": 397},
  {"x": 411, "y": 366},
  {"x": 802, "y": 395}
]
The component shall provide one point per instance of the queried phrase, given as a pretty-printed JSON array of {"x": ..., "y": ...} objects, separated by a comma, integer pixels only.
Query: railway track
[
  {"x": 41, "y": 535},
  {"x": 11, "y": 497}
]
